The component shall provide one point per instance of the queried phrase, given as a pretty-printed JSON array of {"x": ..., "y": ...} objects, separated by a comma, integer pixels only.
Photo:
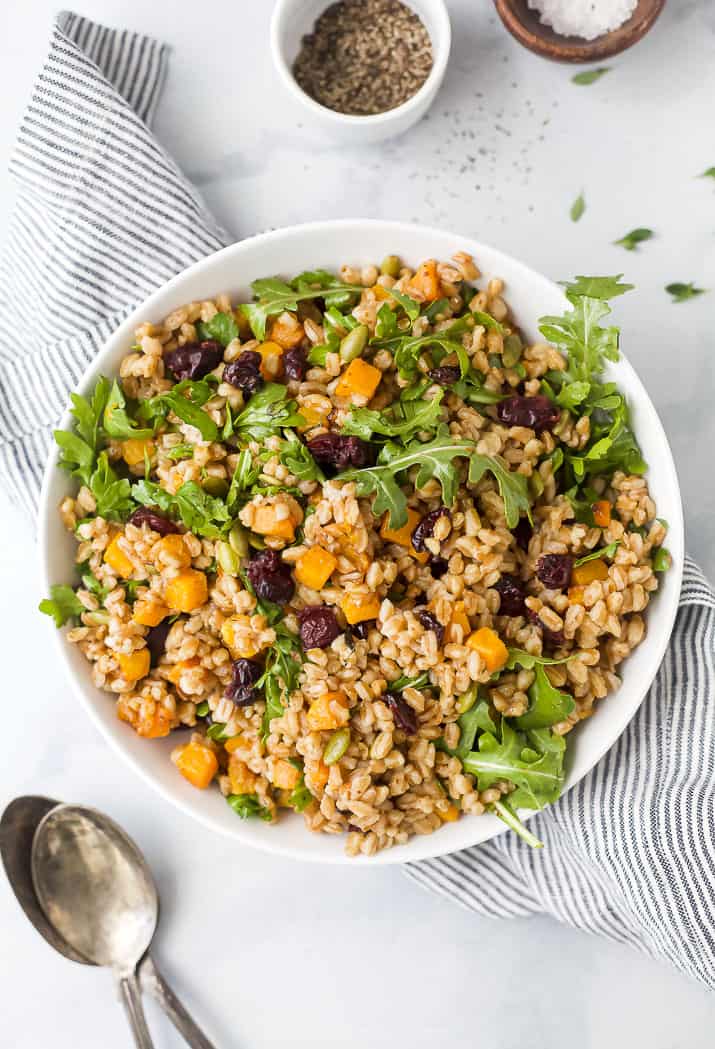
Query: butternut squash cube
[
  {"x": 490, "y": 647},
  {"x": 359, "y": 607},
  {"x": 115, "y": 557},
  {"x": 177, "y": 669},
  {"x": 329, "y": 711},
  {"x": 448, "y": 815},
  {"x": 236, "y": 635},
  {"x": 187, "y": 591},
  {"x": 173, "y": 549},
  {"x": 575, "y": 595},
  {"x": 149, "y": 613},
  {"x": 601, "y": 513},
  {"x": 403, "y": 536},
  {"x": 425, "y": 281},
  {"x": 135, "y": 665},
  {"x": 285, "y": 775},
  {"x": 315, "y": 567},
  {"x": 196, "y": 763},
  {"x": 134, "y": 451},
  {"x": 286, "y": 330},
  {"x": 359, "y": 378},
  {"x": 265, "y": 522},
  {"x": 582, "y": 575},
  {"x": 242, "y": 780},
  {"x": 271, "y": 363}
]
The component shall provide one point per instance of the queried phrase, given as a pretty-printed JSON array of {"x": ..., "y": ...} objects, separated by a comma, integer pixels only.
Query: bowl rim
[
  {"x": 441, "y": 45},
  {"x": 425, "y": 849}
]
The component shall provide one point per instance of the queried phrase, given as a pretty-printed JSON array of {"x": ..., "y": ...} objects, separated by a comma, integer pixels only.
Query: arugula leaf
[
  {"x": 76, "y": 456},
  {"x": 634, "y": 238},
  {"x": 409, "y": 305},
  {"x": 295, "y": 456},
  {"x": 386, "y": 326},
  {"x": 217, "y": 732},
  {"x": 244, "y": 477},
  {"x": 605, "y": 288},
  {"x": 180, "y": 451},
  {"x": 91, "y": 583},
  {"x": 547, "y": 704},
  {"x": 117, "y": 422},
  {"x": 519, "y": 658},
  {"x": 275, "y": 295},
  {"x": 605, "y": 551},
  {"x": 280, "y": 676},
  {"x": 661, "y": 560},
  {"x": 577, "y": 208},
  {"x": 613, "y": 446},
  {"x": 505, "y": 813},
  {"x": 533, "y": 761},
  {"x": 189, "y": 408},
  {"x": 407, "y": 348},
  {"x": 683, "y": 292},
  {"x": 112, "y": 493},
  {"x": 201, "y": 513},
  {"x": 267, "y": 413},
  {"x": 420, "y": 681},
  {"x": 513, "y": 487},
  {"x": 477, "y": 718},
  {"x": 709, "y": 173},
  {"x": 589, "y": 76},
  {"x": 131, "y": 592},
  {"x": 572, "y": 394},
  {"x": 222, "y": 328},
  {"x": 62, "y": 604},
  {"x": 247, "y": 806},
  {"x": 300, "y": 797},
  {"x": 415, "y": 417},
  {"x": 471, "y": 390},
  {"x": 88, "y": 413}
]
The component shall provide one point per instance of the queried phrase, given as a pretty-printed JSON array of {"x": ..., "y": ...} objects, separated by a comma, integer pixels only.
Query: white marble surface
[{"x": 274, "y": 954}]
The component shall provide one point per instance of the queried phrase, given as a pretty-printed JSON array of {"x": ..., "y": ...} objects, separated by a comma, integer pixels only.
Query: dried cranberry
[
  {"x": 424, "y": 529},
  {"x": 157, "y": 522},
  {"x": 295, "y": 363},
  {"x": 194, "y": 360},
  {"x": 552, "y": 638},
  {"x": 446, "y": 375},
  {"x": 156, "y": 641},
  {"x": 554, "y": 570},
  {"x": 318, "y": 626},
  {"x": 430, "y": 622},
  {"x": 362, "y": 630},
  {"x": 402, "y": 713},
  {"x": 339, "y": 451},
  {"x": 245, "y": 372},
  {"x": 438, "y": 566},
  {"x": 537, "y": 412},
  {"x": 523, "y": 533},
  {"x": 511, "y": 596},
  {"x": 244, "y": 675},
  {"x": 270, "y": 577}
]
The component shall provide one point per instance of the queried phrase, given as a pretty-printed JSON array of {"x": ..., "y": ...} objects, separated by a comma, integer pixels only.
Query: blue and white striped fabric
[{"x": 103, "y": 217}]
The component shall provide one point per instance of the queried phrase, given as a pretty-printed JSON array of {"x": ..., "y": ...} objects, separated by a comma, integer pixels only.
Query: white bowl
[
  {"x": 328, "y": 244},
  {"x": 292, "y": 19}
]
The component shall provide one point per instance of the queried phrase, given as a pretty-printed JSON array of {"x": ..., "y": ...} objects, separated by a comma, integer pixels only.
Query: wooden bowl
[{"x": 525, "y": 25}]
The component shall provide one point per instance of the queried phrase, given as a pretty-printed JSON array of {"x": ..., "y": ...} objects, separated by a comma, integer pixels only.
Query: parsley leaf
[
  {"x": 221, "y": 328},
  {"x": 275, "y": 295},
  {"x": 533, "y": 761},
  {"x": 683, "y": 292},
  {"x": 577, "y": 208},
  {"x": 201, "y": 513},
  {"x": 513, "y": 487},
  {"x": 62, "y": 604},
  {"x": 267, "y": 412},
  {"x": 247, "y": 806},
  {"x": 589, "y": 76},
  {"x": 404, "y": 419},
  {"x": 634, "y": 238},
  {"x": 547, "y": 704}
]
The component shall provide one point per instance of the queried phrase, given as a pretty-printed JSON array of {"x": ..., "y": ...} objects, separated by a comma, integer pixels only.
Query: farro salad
[{"x": 367, "y": 552}]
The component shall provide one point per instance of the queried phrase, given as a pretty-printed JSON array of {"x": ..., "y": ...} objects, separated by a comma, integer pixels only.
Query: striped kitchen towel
[{"x": 103, "y": 217}]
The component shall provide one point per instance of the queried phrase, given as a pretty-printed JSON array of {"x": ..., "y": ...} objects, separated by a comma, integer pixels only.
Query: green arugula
[
  {"x": 300, "y": 797},
  {"x": 247, "y": 806},
  {"x": 532, "y": 760},
  {"x": 221, "y": 328},
  {"x": 682, "y": 292},
  {"x": 420, "y": 681},
  {"x": 91, "y": 583},
  {"x": 519, "y": 658},
  {"x": 472, "y": 390},
  {"x": 266, "y": 414},
  {"x": 547, "y": 704},
  {"x": 605, "y": 551},
  {"x": 661, "y": 560},
  {"x": 589, "y": 76},
  {"x": 477, "y": 719},
  {"x": 505, "y": 813},
  {"x": 709, "y": 173},
  {"x": 180, "y": 451},
  {"x": 111, "y": 492},
  {"x": 577, "y": 208},
  {"x": 116, "y": 419},
  {"x": 274, "y": 296},
  {"x": 79, "y": 447},
  {"x": 281, "y": 672},
  {"x": 62, "y": 604},
  {"x": 513, "y": 487},
  {"x": 409, "y": 305},
  {"x": 407, "y": 348},
  {"x": 404, "y": 419},
  {"x": 294, "y": 455},
  {"x": 244, "y": 477},
  {"x": 185, "y": 399},
  {"x": 201, "y": 513},
  {"x": 636, "y": 236}
]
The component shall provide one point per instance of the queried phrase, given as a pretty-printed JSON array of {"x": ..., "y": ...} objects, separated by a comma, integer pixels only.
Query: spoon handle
[
  {"x": 153, "y": 982},
  {"x": 132, "y": 1002}
]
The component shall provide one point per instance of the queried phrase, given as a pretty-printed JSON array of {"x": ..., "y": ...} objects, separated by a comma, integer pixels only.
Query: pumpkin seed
[
  {"x": 336, "y": 746},
  {"x": 354, "y": 343}
]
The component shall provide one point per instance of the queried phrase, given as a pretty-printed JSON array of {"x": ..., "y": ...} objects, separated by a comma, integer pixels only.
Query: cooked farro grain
[{"x": 381, "y": 558}]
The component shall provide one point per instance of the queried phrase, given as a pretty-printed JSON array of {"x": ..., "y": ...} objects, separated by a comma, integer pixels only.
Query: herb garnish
[
  {"x": 62, "y": 604},
  {"x": 634, "y": 238},
  {"x": 682, "y": 292},
  {"x": 590, "y": 76},
  {"x": 275, "y": 295},
  {"x": 577, "y": 208}
]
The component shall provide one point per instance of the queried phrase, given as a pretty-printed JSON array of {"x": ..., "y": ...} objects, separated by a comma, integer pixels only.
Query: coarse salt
[{"x": 585, "y": 18}]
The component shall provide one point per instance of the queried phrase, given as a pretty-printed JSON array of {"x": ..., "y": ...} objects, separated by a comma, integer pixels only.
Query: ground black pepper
[{"x": 364, "y": 56}]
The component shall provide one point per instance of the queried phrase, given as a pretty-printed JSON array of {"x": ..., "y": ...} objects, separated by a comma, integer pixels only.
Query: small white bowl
[
  {"x": 290, "y": 22},
  {"x": 327, "y": 245}
]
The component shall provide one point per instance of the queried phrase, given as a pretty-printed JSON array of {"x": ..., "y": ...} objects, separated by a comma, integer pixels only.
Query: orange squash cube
[
  {"x": 115, "y": 557},
  {"x": 380, "y": 293},
  {"x": 177, "y": 669},
  {"x": 286, "y": 330},
  {"x": 265, "y": 522},
  {"x": 135, "y": 451},
  {"x": 582, "y": 575},
  {"x": 403, "y": 536},
  {"x": 135, "y": 665},
  {"x": 490, "y": 647},
  {"x": 187, "y": 591},
  {"x": 149, "y": 613},
  {"x": 173, "y": 549},
  {"x": 148, "y": 723},
  {"x": 285, "y": 775},
  {"x": 196, "y": 763},
  {"x": 448, "y": 815},
  {"x": 575, "y": 595},
  {"x": 237, "y": 743},
  {"x": 425, "y": 281},
  {"x": 315, "y": 567},
  {"x": 329, "y": 711},
  {"x": 359, "y": 378},
  {"x": 360, "y": 607},
  {"x": 601, "y": 513},
  {"x": 319, "y": 775},
  {"x": 242, "y": 780},
  {"x": 239, "y": 643},
  {"x": 271, "y": 362},
  {"x": 313, "y": 416}
]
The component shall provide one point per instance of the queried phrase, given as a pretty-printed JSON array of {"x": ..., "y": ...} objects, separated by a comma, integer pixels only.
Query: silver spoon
[{"x": 84, "y": 909}]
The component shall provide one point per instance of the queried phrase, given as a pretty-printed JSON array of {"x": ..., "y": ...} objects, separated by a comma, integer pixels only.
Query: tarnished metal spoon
[{"x": 86, "y": 888}]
